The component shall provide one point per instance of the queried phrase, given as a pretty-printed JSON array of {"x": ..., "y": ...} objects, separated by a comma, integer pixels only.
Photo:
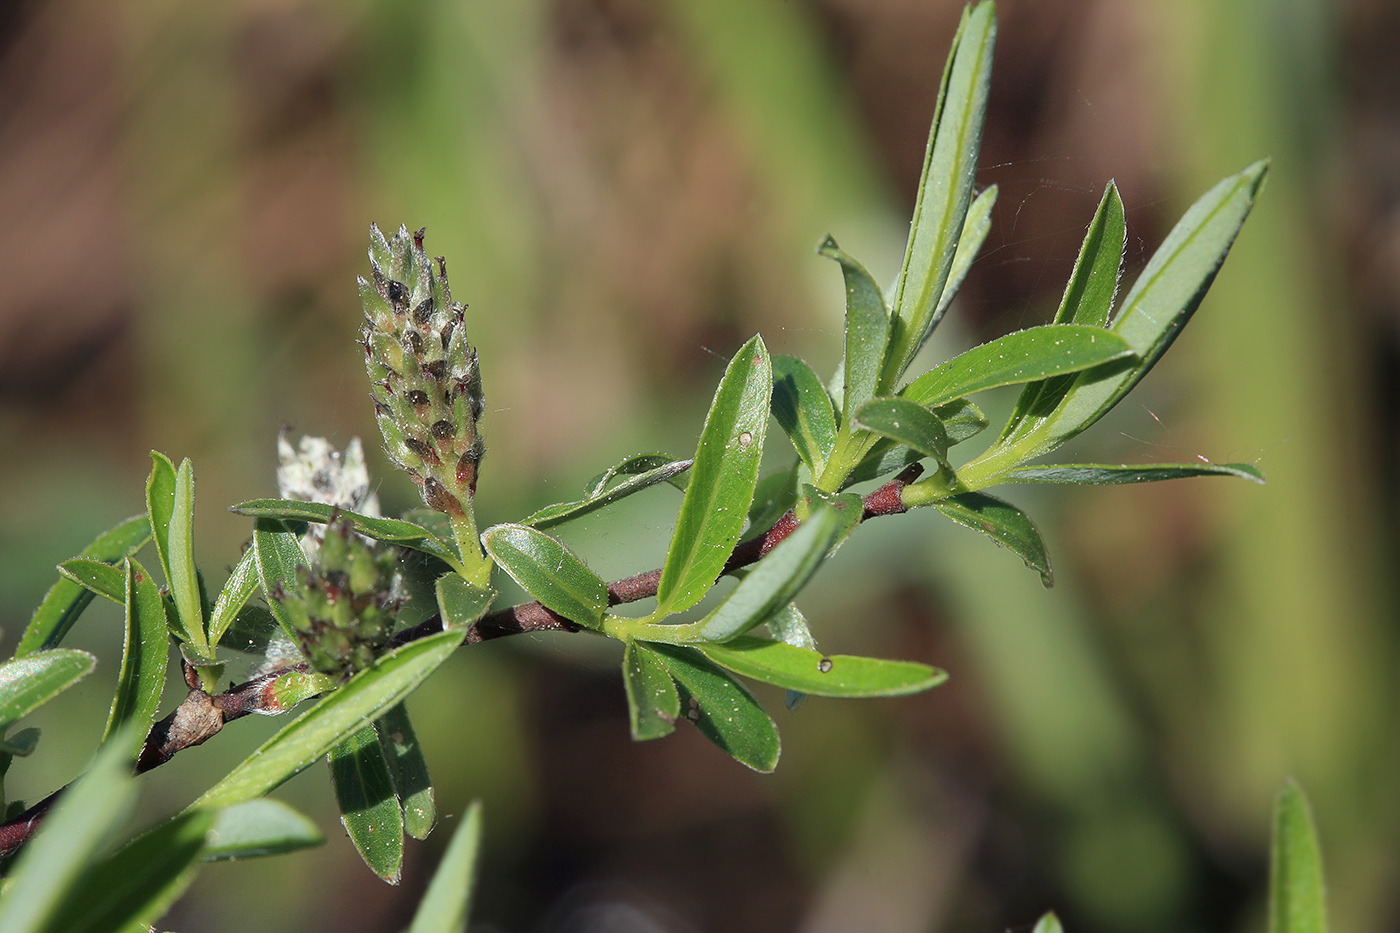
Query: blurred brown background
[{"x": 625, "y": 190}]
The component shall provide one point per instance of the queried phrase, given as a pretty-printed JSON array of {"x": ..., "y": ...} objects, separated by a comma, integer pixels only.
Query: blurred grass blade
[
  {"x": 392, "y": 530},
  {"x": 98, "y": 577},
  {"x": 1026, "y": 355},
  {"x": 136, "y": 885},
  {"x": 277, "y": 554},
  {"x": 808, "y": 671},
  {"x": 408, "y": 769},
  {"x": 180, "y": 573},
  {"x": 723, "y": 711},
  {"x": 642, "y": 471},
  {"x": 907, "y": 423},
  {"x": 42, "y": 879},
  {"x": 721, "y": 481},
  {"x": 66, "y": 600},
  {"x": 867, "y": 331},
  {"x": 1088, "y": 298},
  {"x": 259, "y": 827},
  {"x": 652, "y": 701},
  {"x": 976, "y": 226},
  {"x": 1297, "y": 894},
  {"x": 334, "y": 717},
  {"x": 945, "y": 189},
  {"x": 145, "y": 654},
  {"x": 803, "y": 409},
  {"x": 369, "y": 809},
  {"x": 447, "y": 902},
  {"x": 29, "y": 682},
  {"x": 1106, "y": 474},
  {"x": 549, "y": 572},
  {"x": 1003, "y": 523},
  {"x": 461, "y": 603},
  {"x": 238, "y": 589}
]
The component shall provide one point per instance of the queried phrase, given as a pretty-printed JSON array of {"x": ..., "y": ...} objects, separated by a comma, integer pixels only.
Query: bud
[{"x": 423, "y": 373}]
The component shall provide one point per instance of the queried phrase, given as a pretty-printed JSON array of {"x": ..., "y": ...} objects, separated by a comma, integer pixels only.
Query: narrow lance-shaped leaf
[
  {"x": 144, "y": 657},
  {"x": 369, "y": 810},
  {"x": 66, "y": 600},
  {"x": 907, "y": 423},
  {"x": 1297, "y": 894},
  {"x": 447, "y": 902},
  {"x": 259, "y": 827},
  {"x": 393, "y": 530},
  {"x": 98, "y": 577},
  {"x": 549, "y": 572},
  {"x": 945, "y": 189},
  {"x": 961, "y": 419},
  {"x": 720, "y": 707},
  {"x": 29, "y": 682},
  {"x": 1003, "y": 523},
  {"x": 160, "y": 505},
  {"x": 238, "y": 589},
  {"x": 652, "y": 701},
  {"x": 277, "y": 554},
  {"x": 803, "y": 409},
  {"x": 812, "y": 672},
  {"x": 976, "y": 226},
  {"x": 180, "y": 570},
  {"x": 1033, "y": 353},
  {"x": 721, "y": 481},
  {"x": 867, "y": 331},
  {"x": 1088, "y": 299},
  {"x": 642, "y": 471},
  {"x": 408, "y": 769},
  {"x": 1106, "y": 474}
]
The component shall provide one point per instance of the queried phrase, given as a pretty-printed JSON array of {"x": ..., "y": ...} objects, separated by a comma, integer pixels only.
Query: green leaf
[
  {"x": 234, "y": 596},
  {"x": 642, "y": 470},
  {"x": 1297, "y": 894},
  {"x": 1003, "y": 523},
  {"x": 136, "y": 884},
  {"x": 1107, "y": 474},
  {"x": 961, "y": 419},
  {"x": 1033, "y": 353},
  {"x": 461, "y": 603},
  {"x": 809, "y": 671},
  {"x": 335, "y": 716},
  {"x": 20, "y": 745},
  {"x": 1049, "y": 924},
  {"x": 549, "y": 572},
  {"x": 393, "y": 530},
  {"x": 96, "y": 576},
  {"x": 721, "y": 481},
  {"x": 776, "y": 580},
  {"x": 369, "y": 810},
  {"x": 408, "y": 769},
  {"x": 1088, "y": 298},
  {"x": 867, "y": 331},
  {"x": 447, "y": 902},
  {"x": 907, "y": 423},
  {"x": 29, "y": 682},
  {"x": 773, "y": 495},
  {"x": 85, "y": 817},
  {"x": 945, "y": 189},
  {"x": 976, "y": 226},
  {"x": 277, "y": 554},
  {"x": 789, "y": 625},
  {"x": 259, "y": 827},
  {"x": 803, "y": 409},
  {"x": 65, "y": 600},
  {"x": 723, "y": 711},
  {"x": 180, "y": 571},
  {"x": 884, "y": 457},
  {"x": 652, "y": 701},
  {"x": 145, "y": 653},
  {"x": 160, "y": 505}
]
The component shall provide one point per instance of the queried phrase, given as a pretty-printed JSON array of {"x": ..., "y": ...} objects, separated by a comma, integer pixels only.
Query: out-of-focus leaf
[
  {"x": 145, "y": 654},
  {"x": 136, "y": 885},
  {"x": 392, "y": 530},
  {"x": 975, "y": 228},
  {"x": 369, "y": 811},
  {"x": 723, "y": 711},
  {"x": 773, "y": 495},
  {"x": 180, "y": 571},
  {"x": 259, "y": 827},
  {"x": 234, "y": 596},
  {"x": 642, "y": 471},
  {"x": 408, "y": 769},
  {"x": 20, "y": 745},
  {"x": 43, "y": 876},
  {"x": 803, "y": 409},
  {"x": 1297, "y": 892},
  {"x": 447, "y": 902},
  {"x": 809, "y": 671},
  {"x": 907, "y": 423},
  {"x": 1108, "y": 474},
  {"x": 549, "y": 572},
  {"x": 961, "y": 419},
  {"x": 461, "y": 603},
  {"x": 1003, "y": 523},
  {"x": 1026, "y": 355},
  {"x": 29, "y": 682},
  {"x": 96, "y": 576},
  {"x": 277, "y": 554},
  {"x": 1088, "y": 299},
  {"x": 1049, "y": 924},
  {"x": 652, "y": 701},
  {"x": 335, "y": 716},
  {"x": 867, "y": 331},
  {"x": 945, "y": 189},
  {"x": 721, "y": 481},
  {"x": 66, "y": 600}
]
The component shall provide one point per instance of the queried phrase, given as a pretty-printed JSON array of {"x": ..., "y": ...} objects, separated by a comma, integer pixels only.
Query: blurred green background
[{"x": 625, "y": 191}]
